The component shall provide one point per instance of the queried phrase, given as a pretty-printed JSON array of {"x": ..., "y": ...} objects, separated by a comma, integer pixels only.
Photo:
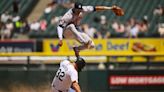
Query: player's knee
[
  {"x": 71, "y": 26},
  {"x": 92, "y": 45}
]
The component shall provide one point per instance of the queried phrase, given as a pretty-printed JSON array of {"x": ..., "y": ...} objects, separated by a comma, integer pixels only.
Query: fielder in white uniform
[
  {"x": 69, "y": 25},
  {"x": 67, "y": 76}
]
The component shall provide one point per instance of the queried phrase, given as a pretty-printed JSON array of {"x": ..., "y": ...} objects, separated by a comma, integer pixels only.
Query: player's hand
[
  {"x": 117, "y": 10},
  {"x": 60, "y": 43}
]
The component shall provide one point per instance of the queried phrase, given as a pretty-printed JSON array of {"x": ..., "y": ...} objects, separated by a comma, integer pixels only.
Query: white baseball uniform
[
  {"x": 64, "y": 77},
  {"x": 70, "y": 23}
]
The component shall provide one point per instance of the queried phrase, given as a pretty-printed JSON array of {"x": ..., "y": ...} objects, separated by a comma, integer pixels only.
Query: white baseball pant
[{"x": 72, "y": 32}]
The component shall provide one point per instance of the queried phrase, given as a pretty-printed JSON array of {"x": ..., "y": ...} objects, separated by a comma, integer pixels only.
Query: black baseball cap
[{"x": 78, "y": 5}]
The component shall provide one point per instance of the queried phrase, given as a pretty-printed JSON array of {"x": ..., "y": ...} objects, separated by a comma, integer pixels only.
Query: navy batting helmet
[
  {"x": 78, "y": 5},
  {"x": 80, "y": 62}
]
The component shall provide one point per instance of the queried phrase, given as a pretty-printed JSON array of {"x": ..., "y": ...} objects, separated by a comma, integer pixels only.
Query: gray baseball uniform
[{"x": 70, "y": 23}]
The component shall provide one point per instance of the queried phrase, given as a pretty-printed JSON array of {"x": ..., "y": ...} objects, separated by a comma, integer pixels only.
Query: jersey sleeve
[
  {"x": 88, "y": 8},
  {"x": 65, "y": 19},
  {"x": 74, "y": 76}
]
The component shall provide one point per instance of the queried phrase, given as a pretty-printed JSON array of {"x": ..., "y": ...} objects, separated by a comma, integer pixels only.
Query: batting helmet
[
  {"x": 80, "y": 62},
  {"x": 78, "y": 5}
]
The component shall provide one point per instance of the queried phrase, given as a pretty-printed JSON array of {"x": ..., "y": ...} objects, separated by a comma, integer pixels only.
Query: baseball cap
[{"x": 78, "y": 5}]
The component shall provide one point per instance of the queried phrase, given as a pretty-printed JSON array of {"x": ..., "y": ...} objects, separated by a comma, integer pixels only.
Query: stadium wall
[{"x": 90, "y": 81}]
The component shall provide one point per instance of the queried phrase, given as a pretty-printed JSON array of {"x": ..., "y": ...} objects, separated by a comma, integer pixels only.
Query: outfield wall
[{"x": 90, "y": 81}]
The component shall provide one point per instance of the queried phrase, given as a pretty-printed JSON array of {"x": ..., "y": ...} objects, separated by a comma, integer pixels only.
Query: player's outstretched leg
[
  {"x": 76, "y": 50},
  {"x": 88, "y": 45}
]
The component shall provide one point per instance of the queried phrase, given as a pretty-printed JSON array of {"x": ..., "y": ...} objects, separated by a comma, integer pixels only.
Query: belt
[{"x": 57, "y": 89}]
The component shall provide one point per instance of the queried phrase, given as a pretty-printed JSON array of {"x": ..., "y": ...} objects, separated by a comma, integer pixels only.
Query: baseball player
[
  {"x": 67, "y": 76},
  {"x": 69, "y": 25}
]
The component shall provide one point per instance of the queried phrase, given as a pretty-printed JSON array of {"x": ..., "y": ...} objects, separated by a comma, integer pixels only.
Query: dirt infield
[{"x": 26, "y": 88}]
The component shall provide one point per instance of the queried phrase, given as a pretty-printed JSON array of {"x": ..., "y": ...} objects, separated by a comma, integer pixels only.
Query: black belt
[
  {"x": 56, "y": 89},
  {"x": 59, "y": 91}
]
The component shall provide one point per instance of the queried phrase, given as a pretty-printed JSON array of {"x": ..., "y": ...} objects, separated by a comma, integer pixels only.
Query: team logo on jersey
[{"x": 54, "y": 48}]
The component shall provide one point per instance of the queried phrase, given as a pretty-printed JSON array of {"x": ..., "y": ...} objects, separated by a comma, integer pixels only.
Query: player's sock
[
  {"x": 76, "y": 50},
  {"x": 89, "y": 44}
]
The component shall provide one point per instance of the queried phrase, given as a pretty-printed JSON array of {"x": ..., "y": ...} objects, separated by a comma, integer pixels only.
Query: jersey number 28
[{"x": 60, "y": 74}]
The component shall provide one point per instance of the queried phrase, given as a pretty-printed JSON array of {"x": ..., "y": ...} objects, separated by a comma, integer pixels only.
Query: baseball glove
[{"x": 117, "y": 10}]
